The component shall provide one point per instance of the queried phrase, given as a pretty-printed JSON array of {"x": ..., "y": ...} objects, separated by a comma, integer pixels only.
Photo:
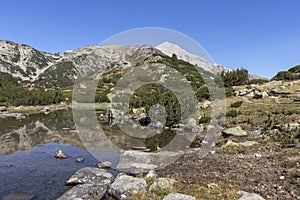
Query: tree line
[{"x": 12, "y": 94}]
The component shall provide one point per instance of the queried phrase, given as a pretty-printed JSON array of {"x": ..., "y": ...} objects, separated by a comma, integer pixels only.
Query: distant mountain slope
[
  {"x": 24, "y": 62},
  {"x": 26, "y": 65},
  {"x": 253, "y": 76},
  {"x": 289, "y": 75},
  {"x": 170, "y": 49}
]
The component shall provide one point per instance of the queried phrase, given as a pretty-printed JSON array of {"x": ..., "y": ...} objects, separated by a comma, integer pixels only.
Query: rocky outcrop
[
  {"x": 170, "y": 49},
  {"x": 90, "y": 175},
  {"x": 85, "y": 191},
  {"x": 142, "y": 162},
  {"x": 93, "y": 183}
]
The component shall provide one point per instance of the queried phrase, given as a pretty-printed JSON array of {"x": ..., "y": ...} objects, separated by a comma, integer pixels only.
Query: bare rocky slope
[{"x": 29, "y": 65}]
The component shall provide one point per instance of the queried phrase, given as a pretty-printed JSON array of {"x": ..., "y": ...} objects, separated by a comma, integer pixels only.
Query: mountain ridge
[
  {"x": 169, "y": 48},
  {"x": 28, "y": 65}
]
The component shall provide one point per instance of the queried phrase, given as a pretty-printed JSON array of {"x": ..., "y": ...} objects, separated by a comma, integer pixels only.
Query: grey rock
[
  {"x": 60, "y": 154},
  {"x": 162, "y": 184},
  {"x": 247, "y": 143},
  {"x": 105, "y": 164},
  {"x": 79, "y": 160},
  {"x": 249, "y": 196},
  {"x": 151, "y": 174},
  {"x": 205, "y": 104},
  {"x": 125, "y": 186},
  {"x": 141, "y": 168},
  {"x": 244, "y": 144},
  {"x": 85, "y": 191},
  {"x": 2, "y": 108},
  {"x": 235, "y": 131},
  {"x": 291, "y": 126},
  {"x": 229, "y": 143},
  {"x": 178, "y": 196},
  {"x": 90, "y": 175},
  {"x": 243, "y": 92},
  {"x": 260, "y": 95},
  {"x": 129, "y": 160}
]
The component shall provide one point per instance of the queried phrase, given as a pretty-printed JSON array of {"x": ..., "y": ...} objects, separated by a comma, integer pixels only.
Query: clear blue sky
[{"x": 262, "y": 36}]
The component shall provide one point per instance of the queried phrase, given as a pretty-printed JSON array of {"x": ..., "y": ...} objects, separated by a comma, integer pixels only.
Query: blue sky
[{"x": 262, "y": 36}]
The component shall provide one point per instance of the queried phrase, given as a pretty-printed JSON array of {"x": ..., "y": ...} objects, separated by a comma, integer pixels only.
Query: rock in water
[
  {"x": 60, "y": 154},
  {"x": 105, "y": 164},
  {"x": 125, "y": 186},
  {"x": 85, "y": 191},
  {"x": 79, "y": 160},
  {"x": 90, "y": 175},
  {"x": 235, "y": 131},
  {"x": 178, "y": 196}
]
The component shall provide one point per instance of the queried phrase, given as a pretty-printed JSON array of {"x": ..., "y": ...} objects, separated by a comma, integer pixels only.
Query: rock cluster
[{"x": 93, "y": 183}]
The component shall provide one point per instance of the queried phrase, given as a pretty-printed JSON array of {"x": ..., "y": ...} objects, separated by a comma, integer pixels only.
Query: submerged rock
[
  {"x": 178, "y": 196},
  {"x": 90, "y": 175},
  {"x": 125, "y": 186},
  {"x": 85, "y": 191}
]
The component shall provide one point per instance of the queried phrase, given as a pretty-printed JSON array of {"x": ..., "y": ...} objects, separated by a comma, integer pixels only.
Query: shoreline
[{"x": 21, "y": 112}]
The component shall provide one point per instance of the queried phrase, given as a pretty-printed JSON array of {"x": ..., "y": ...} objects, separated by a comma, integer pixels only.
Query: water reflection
[{"x": 19, "y": 135}]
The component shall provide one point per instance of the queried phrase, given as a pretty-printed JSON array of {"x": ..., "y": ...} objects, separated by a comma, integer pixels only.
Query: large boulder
[
  {"x": 85, "y": 191},
  {"x": 234, "y": 131},
  {"x": 178, "y": 196},
  {"x": 125, "y": 186},
  {"x": 90, "y": 175},
  {"x": 142, "y": 162},
  {"x": 2, "y": 108},
  {"x": 260, "y": 95}
]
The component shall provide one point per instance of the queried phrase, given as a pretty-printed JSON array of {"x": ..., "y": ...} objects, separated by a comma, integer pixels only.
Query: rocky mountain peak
[{"x": 170, "y": 49}]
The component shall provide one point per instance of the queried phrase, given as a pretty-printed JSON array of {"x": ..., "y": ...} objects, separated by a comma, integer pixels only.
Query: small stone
[
  {"x": 249, "y": 196},
  {"x": 151, "y": 174},
  {"x": 257, "y": 155},
  {"x": 60, "y": 154},
  {"x": 178, "y": 196},
  {"x": 105, "y": 164},
  {"x": 281, "y": 177},
  {"x": 162, "y": 184},
  {"x": 79, "y": 160},
  {"x": 235, "y": 131}
]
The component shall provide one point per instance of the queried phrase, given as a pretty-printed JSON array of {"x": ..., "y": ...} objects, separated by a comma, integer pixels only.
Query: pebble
[
  {"x": 60, "y": 154},
  {"x": 281, "y": 177},
  {"x": 79, "y": 160}
]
